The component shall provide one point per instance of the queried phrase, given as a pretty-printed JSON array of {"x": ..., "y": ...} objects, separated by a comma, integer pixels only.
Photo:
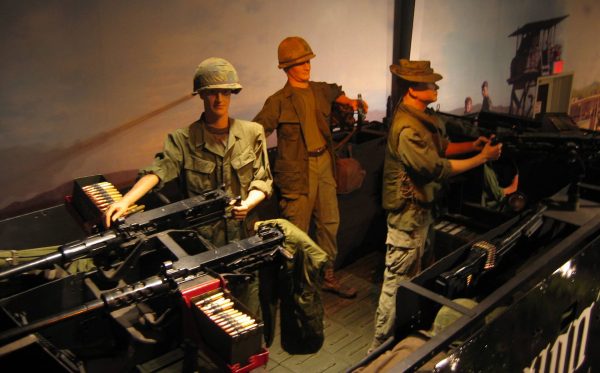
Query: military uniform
[
  {"x": 305, "y": 176},
  {"x": 415, "y": 168},
  {"x": 193, "y": 156},
  {"x": 492, "y": 195},
  {"x": 486, "y": 104}
]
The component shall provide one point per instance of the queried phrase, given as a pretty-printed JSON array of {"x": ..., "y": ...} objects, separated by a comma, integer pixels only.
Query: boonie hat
[{"x": 415, "y": 71}]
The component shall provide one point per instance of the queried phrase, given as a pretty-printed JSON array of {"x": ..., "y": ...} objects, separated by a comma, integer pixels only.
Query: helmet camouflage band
[{"x": 216, "y": 73}]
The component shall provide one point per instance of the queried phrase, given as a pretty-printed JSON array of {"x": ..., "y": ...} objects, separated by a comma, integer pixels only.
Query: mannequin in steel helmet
[
  {"x": 214, "y": 151},
  {"x": 304, "y": 171}
]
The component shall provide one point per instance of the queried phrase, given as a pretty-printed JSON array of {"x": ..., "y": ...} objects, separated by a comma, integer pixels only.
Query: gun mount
[{"x": 151, "y": 263}]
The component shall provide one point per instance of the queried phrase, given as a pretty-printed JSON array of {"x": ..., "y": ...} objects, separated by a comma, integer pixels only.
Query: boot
[{"x": 332, "y": 285}]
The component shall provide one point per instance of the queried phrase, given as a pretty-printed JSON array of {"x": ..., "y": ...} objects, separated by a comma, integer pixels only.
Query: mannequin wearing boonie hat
[{"x": 416, "y": 167}]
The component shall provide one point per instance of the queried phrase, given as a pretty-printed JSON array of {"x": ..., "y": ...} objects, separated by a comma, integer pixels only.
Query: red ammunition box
[{"x": 233, "y": 347}]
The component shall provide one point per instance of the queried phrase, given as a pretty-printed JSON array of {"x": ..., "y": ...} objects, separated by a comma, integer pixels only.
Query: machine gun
[
  {"x": 573, "y": 144},
  {"x": 168, "y": 266},
  {"x": 135, "y": 229},
  {"x": 487, "y": 255},
  {"x": 555, "y": 132},
  {"x": 175, "y": 276}
]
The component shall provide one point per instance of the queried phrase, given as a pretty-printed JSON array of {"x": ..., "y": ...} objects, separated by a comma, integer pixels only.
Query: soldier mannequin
[
  {"x": 486, "y": 104},
  {"x": 304, "y": 169},
  {"x": 415, "y": 167},
  {"x": 211, "y": 152}
]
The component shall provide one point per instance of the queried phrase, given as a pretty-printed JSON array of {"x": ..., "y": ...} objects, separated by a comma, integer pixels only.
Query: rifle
[
  {"x": 484, "y": 256},
  {"x": 135, "y": 229}
]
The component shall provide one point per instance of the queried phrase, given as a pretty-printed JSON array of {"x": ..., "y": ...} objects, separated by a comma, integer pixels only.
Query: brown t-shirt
[{"x": 314, "y": 137}]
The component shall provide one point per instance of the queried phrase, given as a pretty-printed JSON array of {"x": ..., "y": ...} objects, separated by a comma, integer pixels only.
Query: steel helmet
[
  {"x": 216, "y": 73},
  {"x": 293, "y": 50}
]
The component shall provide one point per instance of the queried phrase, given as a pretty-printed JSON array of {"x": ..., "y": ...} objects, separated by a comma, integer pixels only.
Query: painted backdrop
[
  {"x": 93, "y": 87},
  {"x": 468, "y": 42}
]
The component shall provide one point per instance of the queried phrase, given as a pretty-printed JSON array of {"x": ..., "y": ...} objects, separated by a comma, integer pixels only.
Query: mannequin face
[
  {"x": 216, "y": 102},
  {"x": 424, "y": 92},
  {"x": 299, "y": 74}
]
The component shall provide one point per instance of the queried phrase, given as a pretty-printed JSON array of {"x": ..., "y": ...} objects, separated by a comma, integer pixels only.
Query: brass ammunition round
[
  {"x": 229, "y": 331},
  {"x": 227, "y": 315},
  {"x": 241, "y": 325},
  {"x": 244, "y": 318},
  {"x": 241, "y": 328},
  {"x": 248, "y": 328},
  {"x": 216, "y": 302},
  {"x": 212, "y": 309},
  {"x": 102, "y": 199},
  {"x": 209, "y": 298},
  {"x": 224, "y": 314},
  {"x": 94, "y": 188},
  {"x": 231, "y": 320},
  {"x": 244, "y": 322},
  {"x": 109, "y": 190},
  {"x": 130, "y": 210},
  {"x": 227, "y": 312},
  {"x": 103, "y": 193},
  {"x": 220, "y": 308},
  {"x": 223, "y": 307},
  {"x": 225, "y": 325}
]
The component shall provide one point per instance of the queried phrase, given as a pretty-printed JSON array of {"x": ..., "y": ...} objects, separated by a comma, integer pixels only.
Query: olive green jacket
[
  {"x": 295, "y": 287},
  {"x": 197, "y": 165},
  {"x": 284, "y": 112},
  {"x": 415, "y": 167}
]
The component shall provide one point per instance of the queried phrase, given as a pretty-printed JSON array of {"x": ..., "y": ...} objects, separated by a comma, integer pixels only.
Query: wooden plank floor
[{"x": 348, "y": 324}]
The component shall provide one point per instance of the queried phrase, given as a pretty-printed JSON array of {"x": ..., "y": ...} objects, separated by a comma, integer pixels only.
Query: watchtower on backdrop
[{"x": 536, "y": 53}]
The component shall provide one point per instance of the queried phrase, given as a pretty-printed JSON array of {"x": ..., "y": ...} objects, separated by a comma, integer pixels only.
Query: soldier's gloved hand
[{"x": 115, "y": 211}]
